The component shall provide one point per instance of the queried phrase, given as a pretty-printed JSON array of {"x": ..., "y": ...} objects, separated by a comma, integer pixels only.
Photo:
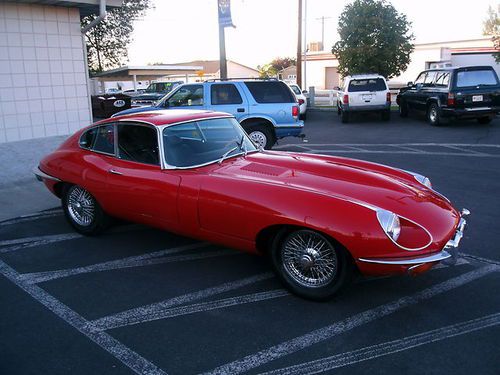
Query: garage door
[{"x": 332, "y": 78}]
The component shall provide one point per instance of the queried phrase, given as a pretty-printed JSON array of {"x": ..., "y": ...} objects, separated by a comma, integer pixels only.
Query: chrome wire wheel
[
  {"x": 259, "y": 138},
  {"x": 309, "y": 259},
  {"x": 81, "y": 206}
]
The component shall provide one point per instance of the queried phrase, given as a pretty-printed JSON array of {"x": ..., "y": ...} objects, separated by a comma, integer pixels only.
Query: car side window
[
  {"x": 420, "y": 78},
  {"x": 187, "y": 96},
  {"x": 270, "y": 92},
  {"x": 225, "y": 93},
  {"x": 442, "y": 79},
  {"x": 429, "y": 79},
  {"x": 99, "y": 138},
  {"x": 138, "y": 143}
]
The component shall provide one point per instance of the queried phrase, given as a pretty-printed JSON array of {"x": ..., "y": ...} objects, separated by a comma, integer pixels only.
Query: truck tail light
[
  {"x": 295, "y": 111},
  {"x": 451, "y": 100},
  {"x": 388, "y": 97},
  {"x": 301, "y": 101},
  {"x": 345, "y": 99}
]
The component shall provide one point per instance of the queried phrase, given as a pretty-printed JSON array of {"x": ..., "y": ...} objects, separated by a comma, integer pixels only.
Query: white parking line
[
  {"x": 164, "y": 309},
  {"x": 390, "y": 347},
  {"x": 301, "y": 342},
  {"x": 121, "y": 352},
  {"x": 429, "y": 153},
  {"x": 157, "y": 257},
  {"x": 27, "y": 242}
]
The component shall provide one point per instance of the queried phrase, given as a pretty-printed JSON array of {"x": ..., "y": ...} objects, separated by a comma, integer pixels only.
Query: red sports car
[{"x": 198, "y": 174}]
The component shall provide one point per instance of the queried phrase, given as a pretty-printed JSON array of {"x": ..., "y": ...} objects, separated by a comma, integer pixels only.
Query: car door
[
  {"x": 411, "y": 96},
  {"x": 190, "y": 96},
  {"x": 426, "y": 91},
  {"x": 140, "y": 188},
  {"x": 225, "y": 97}
]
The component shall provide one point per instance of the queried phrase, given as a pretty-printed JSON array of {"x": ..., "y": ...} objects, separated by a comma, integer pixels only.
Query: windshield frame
[{"x": 166, "y": 166}]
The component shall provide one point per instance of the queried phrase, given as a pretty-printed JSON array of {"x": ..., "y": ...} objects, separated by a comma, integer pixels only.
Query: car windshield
[
  {"x": 469, "y": 78},
  {"x": 206, "y": 141},
  {"x": 372, "y": 84},
  {"x": 160, "y": 87}
]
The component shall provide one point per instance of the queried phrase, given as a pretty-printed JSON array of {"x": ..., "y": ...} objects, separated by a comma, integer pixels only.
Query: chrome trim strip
[
  {"x": 442, "y": 255},
  {"x": 40, "y": 175}
]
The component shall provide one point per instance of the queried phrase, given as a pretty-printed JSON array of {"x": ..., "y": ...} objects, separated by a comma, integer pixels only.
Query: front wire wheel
[{"x": 309, "y": 264}]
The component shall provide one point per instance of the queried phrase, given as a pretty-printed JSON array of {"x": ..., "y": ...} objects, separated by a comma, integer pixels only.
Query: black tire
[
  {"x": 339, "y": 111},
  {"x": 261, "y": 135},
  {"x": 403, "y": 109},
  {"x": 386, "y": 115},
  {"x": 434, "y": 115},
  {"x": 293, "y": 274},
  {"x": 345, "y": 117},
  {"x": 74, "y": 195},
  {"x": 303, "y": 117},
  {"x": 484, "y": 120}
]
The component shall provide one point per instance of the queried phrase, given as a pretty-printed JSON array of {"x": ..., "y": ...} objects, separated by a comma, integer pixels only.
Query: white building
[
  {"x": 44, "y": 86},
  {"x": 322, "y": 67}
]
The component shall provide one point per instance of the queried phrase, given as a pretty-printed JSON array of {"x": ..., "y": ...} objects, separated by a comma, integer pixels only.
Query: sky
[{"x": 181, "y": 31}]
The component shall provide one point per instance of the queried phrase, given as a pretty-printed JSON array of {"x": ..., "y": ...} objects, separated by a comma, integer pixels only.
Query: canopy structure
[{"x": 148, "y": 72}]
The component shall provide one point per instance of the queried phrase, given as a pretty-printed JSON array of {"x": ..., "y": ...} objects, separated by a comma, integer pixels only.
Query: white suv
[{"x": 364, "y": 93}]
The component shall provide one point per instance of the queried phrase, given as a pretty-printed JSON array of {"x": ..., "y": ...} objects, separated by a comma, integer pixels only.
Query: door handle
[
  {"x": 114, "y": 171},
  {"x": 241, "y": 110}
]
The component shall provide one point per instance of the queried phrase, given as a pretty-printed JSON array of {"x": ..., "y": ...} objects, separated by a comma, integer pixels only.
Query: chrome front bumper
[{"x": 448, "y": 253}]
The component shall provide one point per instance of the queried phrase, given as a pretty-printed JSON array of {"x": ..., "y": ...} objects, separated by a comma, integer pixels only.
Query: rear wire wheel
[{"x": 309, "y": 264}]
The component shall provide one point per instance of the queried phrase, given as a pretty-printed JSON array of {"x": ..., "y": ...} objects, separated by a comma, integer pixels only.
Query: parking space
[{"x": 136, "y": 299}]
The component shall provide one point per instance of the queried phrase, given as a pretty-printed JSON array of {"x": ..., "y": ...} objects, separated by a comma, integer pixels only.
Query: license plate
[
  {"x": 367, "y": 97},
  {"x": 477, "y": 98}
]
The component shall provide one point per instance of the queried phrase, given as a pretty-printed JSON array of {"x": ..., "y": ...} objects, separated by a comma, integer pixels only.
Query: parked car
[
  {"x": 197, "y": 173},
  {"x": 471, "y": 92},
  {"x": 364, "y": 93},
  {"x": 301, "y": 99},
  {"x": 267, "y": 109},
  {"x": 113, "y": 90},
  {"x": 154, "y": 93}
]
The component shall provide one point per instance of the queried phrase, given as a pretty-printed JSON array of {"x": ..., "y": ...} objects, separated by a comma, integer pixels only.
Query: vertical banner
[{"x": 225, "y": 13}]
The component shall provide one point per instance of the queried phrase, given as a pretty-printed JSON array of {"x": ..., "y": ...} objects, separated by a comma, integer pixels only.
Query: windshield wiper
[
  {"x": 242, "y": 145},
  {"x": 226, "y": 154}
]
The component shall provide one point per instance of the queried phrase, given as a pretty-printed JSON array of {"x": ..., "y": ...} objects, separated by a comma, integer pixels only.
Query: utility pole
[
  {"x": 304, "y": 86},
  {"x": 323, "y": 18},
  {"x": 299, "y": 46},
  {"x": 222, "y": 49}
]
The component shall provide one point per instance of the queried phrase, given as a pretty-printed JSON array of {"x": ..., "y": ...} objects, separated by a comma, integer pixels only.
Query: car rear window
[
  {"x": 372, "y": 84},
  {"x": 270, "y": 92},
  {"x": 468, "y": 78}
]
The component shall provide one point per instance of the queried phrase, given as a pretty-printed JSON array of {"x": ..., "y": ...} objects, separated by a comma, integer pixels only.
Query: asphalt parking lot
[{"x": 139, "y": 300}]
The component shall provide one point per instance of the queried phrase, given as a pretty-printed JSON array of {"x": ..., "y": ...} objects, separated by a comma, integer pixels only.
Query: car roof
[
  {"x": 364, "y": 76},
  {"x": 166, "y": 117}
]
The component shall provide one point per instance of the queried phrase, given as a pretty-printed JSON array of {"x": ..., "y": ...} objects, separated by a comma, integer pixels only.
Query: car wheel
[
  {"x": 83, "y": 212},
  {"x": 303, "y": 116},
  {"x": 403, "y": 109},
  {"x": 484, "y": 120},
  {"x": 309, "y": 264},
  {"x": 345, "y": 117},
  {"x": 261, "y": 136},
  {"x": 386, "y": 115},
  {"x": 433, "y": 115}
]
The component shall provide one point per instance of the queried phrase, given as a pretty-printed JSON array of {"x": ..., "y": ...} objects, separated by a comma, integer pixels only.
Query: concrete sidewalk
[{"x": 20, "y": 192}]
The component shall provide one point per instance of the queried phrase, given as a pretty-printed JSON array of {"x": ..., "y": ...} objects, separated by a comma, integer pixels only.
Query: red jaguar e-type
[{"x": 197, "y": 173}]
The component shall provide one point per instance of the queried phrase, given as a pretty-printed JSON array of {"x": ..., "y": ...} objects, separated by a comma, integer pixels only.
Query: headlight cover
[{"x": 389, "y": 222}]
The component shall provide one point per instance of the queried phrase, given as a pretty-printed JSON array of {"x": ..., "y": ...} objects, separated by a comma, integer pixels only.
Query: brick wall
[{"x": 43, "y": 82}]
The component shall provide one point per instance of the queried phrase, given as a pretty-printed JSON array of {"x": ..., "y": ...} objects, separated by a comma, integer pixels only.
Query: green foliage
[
  {"x": 278, "y": 64},
  {"x": 374, "y": 38},
  {"x": 107, "y": 42},
  {"x": 492, "y": 28}
]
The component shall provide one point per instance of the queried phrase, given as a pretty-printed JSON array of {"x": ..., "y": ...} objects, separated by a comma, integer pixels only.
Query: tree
[
  {"x": 374, "y": 38},
  {"x": 107, "y": 42},
  {"x": 492, "y": 28},
  {"x": 278, "y": 64}
]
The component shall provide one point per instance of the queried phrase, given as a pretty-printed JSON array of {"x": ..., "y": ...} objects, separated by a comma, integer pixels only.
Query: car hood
[{"x": 369, "y": 184}]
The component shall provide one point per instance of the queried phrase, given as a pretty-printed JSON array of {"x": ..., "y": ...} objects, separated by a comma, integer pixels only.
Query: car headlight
[{"x": 389, "y": 222}]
